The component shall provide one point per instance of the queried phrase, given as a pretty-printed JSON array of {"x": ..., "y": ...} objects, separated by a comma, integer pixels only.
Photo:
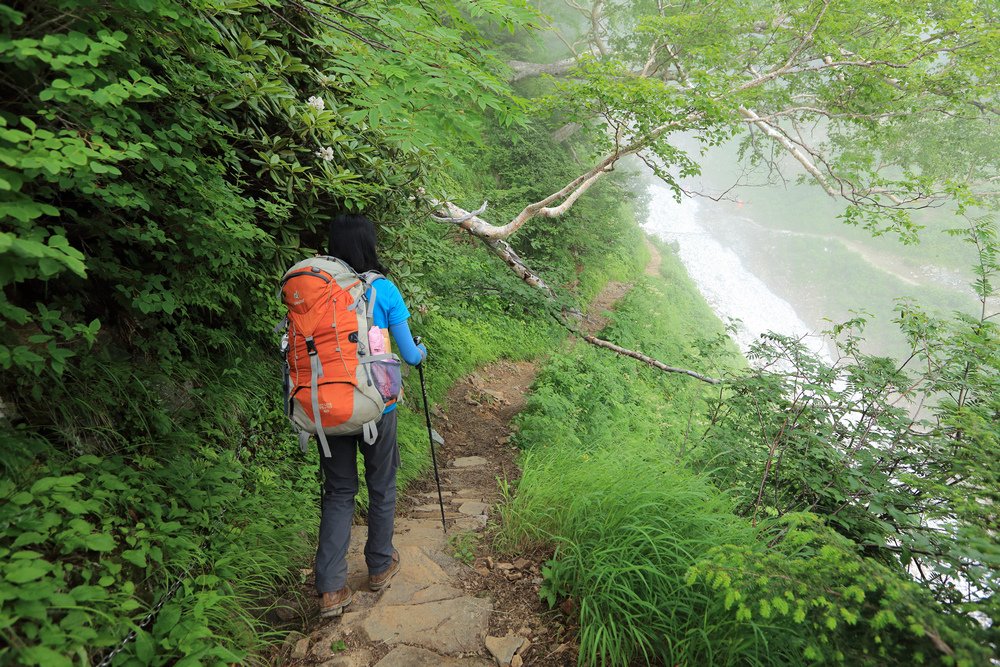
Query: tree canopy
[{"x": 890, "y": 107}]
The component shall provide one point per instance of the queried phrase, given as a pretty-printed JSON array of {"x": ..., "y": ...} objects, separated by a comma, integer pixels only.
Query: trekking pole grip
[{"x": 416, "y": 341}]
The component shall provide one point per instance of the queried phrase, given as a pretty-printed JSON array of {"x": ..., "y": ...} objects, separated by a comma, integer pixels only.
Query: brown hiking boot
[
  {"x": 333, "y": 604},
  {"x": 377, "y": 581}
]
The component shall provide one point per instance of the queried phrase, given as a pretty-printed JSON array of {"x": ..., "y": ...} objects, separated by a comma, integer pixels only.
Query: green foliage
[
  {"x": 899, "y": 457},
  {"x": 623, "y": 549},
  {"x": 658, "y": 563},
  {"x": 463, "y": 546},
  {"x": 841, "y": 607},
  {"x": 93, "y": 542},
  {"x": 160, "y": 164}
]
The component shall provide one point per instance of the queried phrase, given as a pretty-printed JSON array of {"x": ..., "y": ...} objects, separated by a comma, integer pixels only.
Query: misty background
[{"x": 775, "y": 256}]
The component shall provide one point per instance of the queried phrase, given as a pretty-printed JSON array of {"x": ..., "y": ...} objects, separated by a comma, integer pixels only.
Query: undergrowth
[
  {"x": 91, "y": 541},
  {"x": 652, "y": 558}
]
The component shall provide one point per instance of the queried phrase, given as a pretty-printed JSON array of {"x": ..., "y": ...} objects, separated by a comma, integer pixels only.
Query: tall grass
[
  {"x": 650, "y": 556},
  {"x": 628, "y": 523},
  {"x": 603, "y": 483}
]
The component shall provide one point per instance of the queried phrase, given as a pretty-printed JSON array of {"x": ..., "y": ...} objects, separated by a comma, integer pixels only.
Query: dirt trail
[
  {"x": 453, "y": 603},
  {"x": 655, "y": 260},
  {"x": 597, "y": 315}
]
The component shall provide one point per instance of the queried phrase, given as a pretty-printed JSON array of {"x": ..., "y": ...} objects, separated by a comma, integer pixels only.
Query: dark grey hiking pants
[{"x": 340, "y": 485}]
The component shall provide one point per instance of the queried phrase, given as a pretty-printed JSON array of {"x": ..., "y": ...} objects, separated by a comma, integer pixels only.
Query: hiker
[{"x": 352, "y": 239}]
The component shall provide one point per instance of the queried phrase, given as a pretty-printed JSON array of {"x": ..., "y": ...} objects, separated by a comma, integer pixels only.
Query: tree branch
[
  {"x": 786, "y": 143},
  {"x": 524, "y": 70},
  {"x": 449, "y": 212},
  {"x": 504, "y": 251},
  {"x": 595, "y": 14},
  {"x": 470, "y": 221},
  {"x": 565, "y": 132},
  {"x": 593, "y": 340},
  {"x": 808, "y": 37}
]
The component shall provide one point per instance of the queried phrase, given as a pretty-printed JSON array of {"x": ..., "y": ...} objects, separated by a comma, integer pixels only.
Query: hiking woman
[{"x": 352, "y": 239}]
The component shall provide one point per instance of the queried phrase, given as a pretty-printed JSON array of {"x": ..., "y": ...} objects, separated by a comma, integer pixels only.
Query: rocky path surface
[{"x": 446, "y": 607}]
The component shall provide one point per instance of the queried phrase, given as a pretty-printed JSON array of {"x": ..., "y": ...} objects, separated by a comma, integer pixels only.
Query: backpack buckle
[{"x": 311, "y": 346}]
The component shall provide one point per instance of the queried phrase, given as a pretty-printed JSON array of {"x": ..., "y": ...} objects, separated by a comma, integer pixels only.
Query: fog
[{"x": 776, "y": 256}]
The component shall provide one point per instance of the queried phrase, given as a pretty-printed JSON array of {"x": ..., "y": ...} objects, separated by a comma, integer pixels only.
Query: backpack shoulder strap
[{"x": 369, "y": 278}]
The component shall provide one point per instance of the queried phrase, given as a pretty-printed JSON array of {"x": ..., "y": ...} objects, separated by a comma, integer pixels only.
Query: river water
[
  {"x": 733, "y": 291},
  {"x": 778, "y": 259}
]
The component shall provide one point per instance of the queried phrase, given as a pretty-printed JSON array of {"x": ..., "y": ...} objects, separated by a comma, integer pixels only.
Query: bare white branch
[
  {"x": 525, "y": 70},
  {"x": 593, "y": 340},
  {"x": 793, "y": 150}
]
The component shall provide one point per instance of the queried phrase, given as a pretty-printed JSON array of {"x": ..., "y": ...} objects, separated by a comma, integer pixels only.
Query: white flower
[
  {"x": 316, "y": 103},
  {"x": 325, "y": 152}
]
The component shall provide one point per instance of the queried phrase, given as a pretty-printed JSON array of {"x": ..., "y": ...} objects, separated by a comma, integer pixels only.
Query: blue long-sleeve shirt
[
  {"x": 408, "y": 350},
  {"x": 391, "y": 313}
]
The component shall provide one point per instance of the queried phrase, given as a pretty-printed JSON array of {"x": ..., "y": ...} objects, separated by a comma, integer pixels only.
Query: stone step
[
  {"x": 456, "y": 625},
  {"x": 412, "y": 656},
  {"x": 468, "y": 462},
  {"x": 420, "y": 532},
  {"x": 473, "y": 508}
]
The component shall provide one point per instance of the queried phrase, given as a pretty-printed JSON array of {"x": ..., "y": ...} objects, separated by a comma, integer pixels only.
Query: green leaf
[
  {"x": 166, "y": 620},
  {"x": 22, "y": 498},
  {"x": 145, "y": 649},
  {"x": 45, "y": 657},
  {"x": 62, "y": 483},
  {"x": 28, "y": 538},
  {"x": 135, "y": 556},
  {"x": 89, "y": 593},
  {"x": 24, "y": 571},
  {"x": 99, "y": 542}
]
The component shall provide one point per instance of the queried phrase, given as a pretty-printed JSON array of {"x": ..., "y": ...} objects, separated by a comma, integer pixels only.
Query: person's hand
[{"x": 423, "y": 352}]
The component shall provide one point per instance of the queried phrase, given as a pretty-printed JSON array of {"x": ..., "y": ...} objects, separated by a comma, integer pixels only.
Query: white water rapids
[{"x": 727, "y": 285}]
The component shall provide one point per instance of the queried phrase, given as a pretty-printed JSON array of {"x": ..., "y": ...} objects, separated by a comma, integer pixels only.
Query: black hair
[{"x": 352, "y": 239}]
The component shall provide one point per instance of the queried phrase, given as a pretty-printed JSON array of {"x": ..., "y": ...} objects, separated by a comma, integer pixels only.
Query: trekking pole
[{"x": 430, "y": 434}]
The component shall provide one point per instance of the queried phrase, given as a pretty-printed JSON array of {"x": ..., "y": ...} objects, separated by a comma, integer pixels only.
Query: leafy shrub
[
  {"x": 94, "y": 542},
  {"x": 162, "y": 164},
  {"x": 840, "y": 606},
  {"x": 898, "y": 457},
  {"x": 655, "y": 560}
]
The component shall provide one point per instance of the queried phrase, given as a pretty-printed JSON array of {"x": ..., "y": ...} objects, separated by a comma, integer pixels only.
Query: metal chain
[
  {"x": 106, "y": 662},
  {"x": 174, "y": 587}
]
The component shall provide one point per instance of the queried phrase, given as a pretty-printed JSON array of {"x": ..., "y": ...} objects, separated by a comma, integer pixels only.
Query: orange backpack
[{"x": 330, "y": 370}]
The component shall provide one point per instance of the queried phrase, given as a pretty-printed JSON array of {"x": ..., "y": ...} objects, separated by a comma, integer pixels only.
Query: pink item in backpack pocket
[
  {"x": 386, "y": 373},
  {"x": 376, "y": 340}
]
